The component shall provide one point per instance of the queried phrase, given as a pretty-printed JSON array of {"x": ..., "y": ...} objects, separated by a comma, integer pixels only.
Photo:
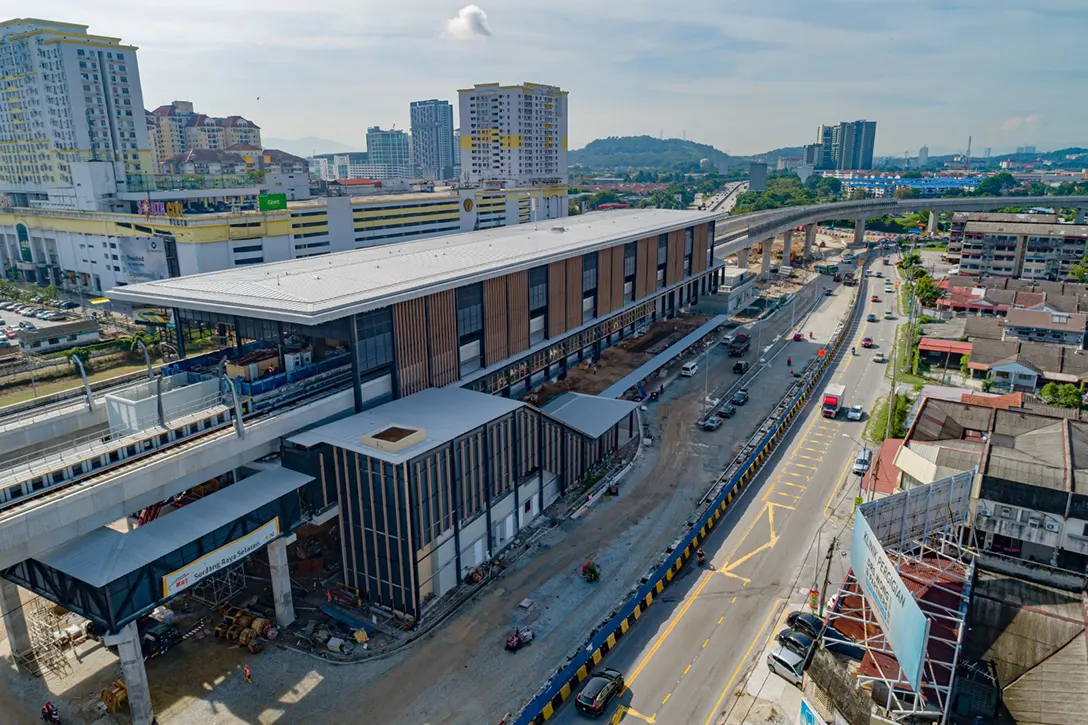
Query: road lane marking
[
  {"x": 791, "y": 483},
  {"x": 622, "y": 710},
  {"x": 797, "y": 475},
  {"x": 801, "y": 465},
  {"x": 687, "y": 669},
  {"x": 706, "y": 642},
  {"x": 731, "y": 575},
  {"x": 732, "y": 602},
  {"x": 838, "y": 483},
  {"x": 810, "y": 458},
  {"x": 666, "y": 698},
  {"x": 729, "y": 685}
]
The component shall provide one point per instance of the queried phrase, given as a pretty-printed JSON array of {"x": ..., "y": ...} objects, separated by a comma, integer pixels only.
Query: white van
[{"x": 689, "y": 369}]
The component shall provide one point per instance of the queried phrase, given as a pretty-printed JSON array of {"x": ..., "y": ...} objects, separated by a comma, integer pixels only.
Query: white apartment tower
[
  {"x": 513, "y": 134},
  {"x": 432, "y": 139},
  {"x": 71, "y": 112}
]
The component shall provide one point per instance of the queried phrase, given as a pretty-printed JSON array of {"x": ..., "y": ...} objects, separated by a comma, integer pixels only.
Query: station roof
[
  {"x": 442, "y": 414},
  {"x": 106, "y": 555},
  {"x": 328, "y": 287},
  {"x": 588, "y": 414}
]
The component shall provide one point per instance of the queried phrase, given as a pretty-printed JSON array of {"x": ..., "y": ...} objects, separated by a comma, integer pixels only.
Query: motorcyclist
[
  {"x": 853, "y": 350},
  {"x": 700, "y": 556},
  {"x": 50, "y": 713}
]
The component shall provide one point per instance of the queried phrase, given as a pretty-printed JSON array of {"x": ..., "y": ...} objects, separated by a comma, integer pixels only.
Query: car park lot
[{"x": 12, "y": 318}]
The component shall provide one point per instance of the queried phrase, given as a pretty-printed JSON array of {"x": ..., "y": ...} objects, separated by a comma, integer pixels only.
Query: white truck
[{"x": 833, "y": 398}]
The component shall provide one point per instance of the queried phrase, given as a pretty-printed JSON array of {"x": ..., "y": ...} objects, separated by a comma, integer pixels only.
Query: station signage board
[{"x": 181, "y": 579}]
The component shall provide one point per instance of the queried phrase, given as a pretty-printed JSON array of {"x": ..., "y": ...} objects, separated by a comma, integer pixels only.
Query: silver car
[
  {"x": 856, "y": 412},
  {"x": 787, "y": 664}
]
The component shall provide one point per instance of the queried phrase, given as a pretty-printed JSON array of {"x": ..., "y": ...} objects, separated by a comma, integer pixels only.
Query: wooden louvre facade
[{"x": 425, "y": 330}]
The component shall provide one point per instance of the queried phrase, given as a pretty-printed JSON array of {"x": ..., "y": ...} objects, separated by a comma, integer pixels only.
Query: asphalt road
[{"x": 685, "y": 658}]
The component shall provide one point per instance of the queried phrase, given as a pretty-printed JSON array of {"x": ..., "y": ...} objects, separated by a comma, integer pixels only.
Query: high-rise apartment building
[
  {"x": 70, "y": 98},
  {"x": 847, "y": 146},
  {"x": 457, "y": 152},
  {"x": 513, "y": 134},
  {"x": 389, "y": 153},
  {"x": 923, "y": 156},
  {"x": 432, "y": 139},
  {"x": 178, "y": 129}
]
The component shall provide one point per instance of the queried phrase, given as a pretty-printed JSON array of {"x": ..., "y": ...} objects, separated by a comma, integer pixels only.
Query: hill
[
  {"x": 647, "y": 152},
  {"x": 307, "y": 146},
  {"x": 773, "y": 155}
]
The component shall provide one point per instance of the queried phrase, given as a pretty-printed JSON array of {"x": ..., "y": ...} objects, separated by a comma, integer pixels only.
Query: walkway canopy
[{"x": 113, "y": 578}]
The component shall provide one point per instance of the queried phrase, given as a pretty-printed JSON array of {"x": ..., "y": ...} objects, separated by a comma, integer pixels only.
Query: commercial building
[
  {"x": 432, "y": 139},
  {"x": 389, "y": 155},
  {"x": 513, "y": 135},
  {"x": 186, "y": 234},
  {"x": 757, "y": 176},
  {"x": 846, "y": 146},
  {"x": 923, "y": 188},
  {"x": 441, "y": 338},
  {"x": 277, "y": 172},
  {"x": 960, "y": 219},
  {"x": 71, "y": 114}
]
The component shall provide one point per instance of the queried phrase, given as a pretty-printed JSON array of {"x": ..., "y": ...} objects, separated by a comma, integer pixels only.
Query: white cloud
[
  {"x": 1011, "y": 124},
  {"x": 470, "y": 23}
]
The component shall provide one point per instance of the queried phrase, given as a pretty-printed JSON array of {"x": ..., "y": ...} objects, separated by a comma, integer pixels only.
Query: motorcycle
[
  {"x": 700, "y": 557},
  {"x": 521, "y": 637},
  {"x": 591, "y": 572}
]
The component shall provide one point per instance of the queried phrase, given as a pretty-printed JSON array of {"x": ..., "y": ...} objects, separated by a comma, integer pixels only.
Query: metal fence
[{"x": 560, "y": 687}]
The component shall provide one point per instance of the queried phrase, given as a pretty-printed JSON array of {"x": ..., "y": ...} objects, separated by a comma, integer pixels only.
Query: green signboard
[{"x": 272, "y": 202}]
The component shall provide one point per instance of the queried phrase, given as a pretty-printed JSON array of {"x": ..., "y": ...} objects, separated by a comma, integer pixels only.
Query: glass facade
[{"x": 375, "y": 330}]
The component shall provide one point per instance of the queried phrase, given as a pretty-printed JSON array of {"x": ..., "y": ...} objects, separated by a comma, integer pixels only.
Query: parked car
[
  {"x": 68, "y": 305},
  {"x": 805, "y": 622},
  {"x": 871, "y": 317},
  {"x": 741, "y": 367},
  {"x": 712, "y": 423},
  {"x": 787, "y": 664},
  {"x": 855, "y": 412},
  {"x": 598, "y": 691},
  {"x": 866, "y": 342},
  {"x": 740, "y": 397},
  {"x": 795, "y": 641},
  {"x": 727, "y": 411},
  {"x": 862, "y": 462}
]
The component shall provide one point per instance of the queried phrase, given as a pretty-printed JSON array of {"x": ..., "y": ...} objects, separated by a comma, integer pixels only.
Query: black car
[
  {"x": 68, "y": 305},
  {"x": 727, "y": 411},
  {"x": 741, "y": 367},
  {"x": 598, "y": 691},
  {"x": 805, "y": 623},
  {"x": 740, "y": 397},
  {"x": 795, "y": 641}
]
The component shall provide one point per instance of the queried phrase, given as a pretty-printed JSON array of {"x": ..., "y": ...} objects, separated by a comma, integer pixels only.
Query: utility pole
[{"x": 827, "y": 575}]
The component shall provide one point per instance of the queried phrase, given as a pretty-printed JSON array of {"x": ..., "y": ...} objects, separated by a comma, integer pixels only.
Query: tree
[
  {"x": 996, "y": 185},
  {"x": 987, "y": 384},
  {"x": 965, "y": 366},
  {"x": 829, "y": 186},
  {"x": 911, "y": 259},
  {"x": 904, "y": 192},
  {"x": 1062, "y": 396},
  {"x": 926, "y": 290},
  {"x": 1079, "y": 271}
]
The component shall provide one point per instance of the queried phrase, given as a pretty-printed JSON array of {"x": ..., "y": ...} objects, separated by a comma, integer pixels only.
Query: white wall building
[
  {"x": 432, "y": 139},
  {"x": 69, "y": 98},
  {"x": 516, "y": 135},
  {"x": 91, "y": 252}
]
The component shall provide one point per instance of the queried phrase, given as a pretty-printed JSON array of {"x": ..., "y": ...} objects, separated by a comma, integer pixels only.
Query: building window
[
  {"x": 538, "y": 288},
  {"x": 589, "y": 272},
  {"x": 470, "y": 309},
  {"x": 375, "y": 330},
  {"x": 662, "y": 250},
  {"x": 629, "y": 251}
]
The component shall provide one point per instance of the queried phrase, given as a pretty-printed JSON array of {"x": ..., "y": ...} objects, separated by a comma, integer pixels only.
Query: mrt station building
[{"x": 435, "y": 464}]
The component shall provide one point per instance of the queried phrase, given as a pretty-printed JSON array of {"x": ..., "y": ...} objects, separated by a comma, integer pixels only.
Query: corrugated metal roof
[
  {"x": 442, "y": 413},
  {"x": 955, "y": 347},
  {"x": 105, "y": 555},
  {"x": 589, "y": 414},
  {"x": 327, "y": 287}
]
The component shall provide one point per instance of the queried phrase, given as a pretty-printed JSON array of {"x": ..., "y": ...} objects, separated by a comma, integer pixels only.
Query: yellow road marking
[
  {"x": 838, "y": 483},
  {"x": 666, "y": 698},
  {"x": 732, "y": 602},
  {"x": 722, "y": 618},
  {"x": 687, "y": 669},
  {"x": 801, "y": 465},
  {"x": 706, "y": 642},
  {"x": 795, "y": 485},
  {"x": 797, "y": 475},
  {"x": 810, "y": 458},
  {"x": 729, "y": 685},
  {"x": 624, "y": 710},
  {"x": 815, "y": 450},
  {"x": 731, "y": 575}
]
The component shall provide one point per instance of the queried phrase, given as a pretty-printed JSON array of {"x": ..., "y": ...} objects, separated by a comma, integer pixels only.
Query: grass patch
[
  {"x": 878, "y": 421},
  {"x": 895, "y": 406},
  {"x": 26, "y": 392},
  {"x": 904, "y": 355}
]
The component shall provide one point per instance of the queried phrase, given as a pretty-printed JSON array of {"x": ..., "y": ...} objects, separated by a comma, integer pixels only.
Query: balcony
[{"x": 1075, "y": 543}]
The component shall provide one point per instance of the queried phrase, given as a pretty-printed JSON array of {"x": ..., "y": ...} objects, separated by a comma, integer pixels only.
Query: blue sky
[{"x": 744, "y": 75}]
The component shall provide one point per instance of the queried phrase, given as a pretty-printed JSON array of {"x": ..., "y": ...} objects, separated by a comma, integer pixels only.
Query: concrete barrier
[{"x": 560, "y": 687}]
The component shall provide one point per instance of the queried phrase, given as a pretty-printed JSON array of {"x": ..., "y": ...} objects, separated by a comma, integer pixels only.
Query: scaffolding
[
  {"x": 46, "y": 656},
  {"x": 924, "y": 535},
  {"x": 220, "y": 587}
]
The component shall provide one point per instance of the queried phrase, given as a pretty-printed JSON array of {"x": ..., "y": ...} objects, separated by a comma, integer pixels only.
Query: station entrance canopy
[{"x": 112, "y": 578}]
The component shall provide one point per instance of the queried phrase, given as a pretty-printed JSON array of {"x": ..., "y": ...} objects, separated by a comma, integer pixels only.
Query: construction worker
[{"x": 247, "y": 674}]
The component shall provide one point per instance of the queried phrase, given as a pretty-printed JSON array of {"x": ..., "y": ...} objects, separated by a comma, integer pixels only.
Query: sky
[{"x": 744, "y": 75}]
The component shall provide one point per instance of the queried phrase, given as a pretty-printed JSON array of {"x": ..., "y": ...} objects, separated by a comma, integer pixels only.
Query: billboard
[
  {"x": 144, "y": 258},
  {"x": 272, "y": 202},
  {"x": 921, "y": 510},
  {"x": 153, "y": 316},
  {"x": 181, "y": 579},
  {"x": 808, "y": 714},
  {"x": 903, "y": 623}
]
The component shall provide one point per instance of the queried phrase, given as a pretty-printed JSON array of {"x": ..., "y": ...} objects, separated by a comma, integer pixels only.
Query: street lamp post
[{"x": 864, "y": 447}]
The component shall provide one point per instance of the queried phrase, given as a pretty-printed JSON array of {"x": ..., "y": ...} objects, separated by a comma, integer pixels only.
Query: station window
[
  {"x": 470, "y": 309},
  {"x": 538, "y": 288},
  {"x": 375, "y": 333}
]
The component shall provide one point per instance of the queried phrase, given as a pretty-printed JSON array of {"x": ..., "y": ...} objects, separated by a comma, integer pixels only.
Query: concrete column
[
  {"x": 14, "y": 617},
  {"x": 742, "y": 258},
  {"x": 859, "y": 232},
  {"x": 787, "y": 247},
  {"x": 768, "y": 258},
  {"x": 1080, "y": 216},
  {"x": 933, "y": 219},
  {"x": 281, "y": 581},
  {"x": 810, "y": 237},
  {"x": 127, "y": 642}
]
